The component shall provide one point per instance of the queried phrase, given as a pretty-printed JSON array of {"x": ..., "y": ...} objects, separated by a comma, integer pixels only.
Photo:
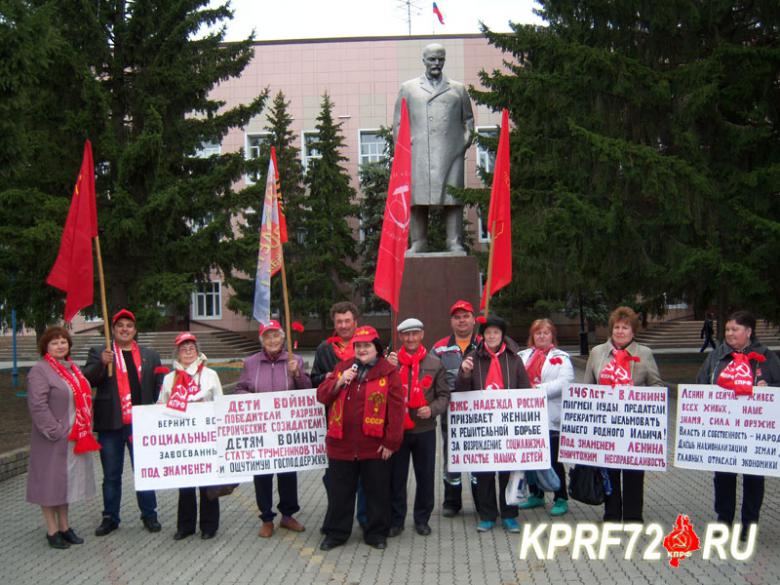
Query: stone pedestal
[{"x": 431, "y": 284}]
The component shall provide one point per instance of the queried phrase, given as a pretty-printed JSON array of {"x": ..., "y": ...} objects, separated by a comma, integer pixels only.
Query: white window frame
[
  {"x": 208, "y": 149},
  {"x": 372, "y": 156},
  {"x": 305, "y": 156},
  {"x": 486, "y": 159},
  {"x": 249, "y": 150},
  {"x": 216, "y": 292},
  {"x": 483, "y": 235}
]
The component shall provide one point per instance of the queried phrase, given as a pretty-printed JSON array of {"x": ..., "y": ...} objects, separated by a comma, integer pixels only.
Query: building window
[
  {"x": 372, "y": 147},
  {"x": 486, "y": 159},
  {"x": 208, "y": 149},
  {"x": 482, "y": 226},
  {"x": 207, "y": 300},
  {"x": 253, "y": 147},
  {"x": 308, "y": 151}
]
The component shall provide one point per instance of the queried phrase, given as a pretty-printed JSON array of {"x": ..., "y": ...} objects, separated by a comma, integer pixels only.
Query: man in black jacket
[{"x": 135, "y": 380}]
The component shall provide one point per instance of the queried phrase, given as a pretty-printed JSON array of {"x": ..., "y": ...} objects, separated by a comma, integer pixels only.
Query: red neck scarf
[
  {"x": 374, "y": 408},
  {"x": 738, "y": 375},
  {"x": 81, "y": 433},
  {"x": 122, "y": 381},
  {"x": 618, "y": 371},
  {"x": 184, "y": 387},
  {"x": 535, "y": 364},
  {"x": 415, "y": 396},
  {"x": 495, "y": 378},
  {"x": 343, "y": 350}
]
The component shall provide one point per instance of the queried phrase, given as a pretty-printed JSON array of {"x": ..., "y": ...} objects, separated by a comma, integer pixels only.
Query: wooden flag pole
[
  {"x": 104, "y": 305},
  {"x": 287, "y": 325},
  {"x": 490, "y": 271}
]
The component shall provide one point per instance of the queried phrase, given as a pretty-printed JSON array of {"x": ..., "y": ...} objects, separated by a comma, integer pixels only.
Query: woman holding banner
[
  {"x": 274, "y": 370},
  {"x": 491, "y": 366},
  {"x": 60, "y": 469},
  {"x": 191, "y": 381},
  {"x": 548, "y": 368},
  {"x": 365, "y": 401},
  {"x": 738, "y": 364},
  {"x": 622, "y": 361}
]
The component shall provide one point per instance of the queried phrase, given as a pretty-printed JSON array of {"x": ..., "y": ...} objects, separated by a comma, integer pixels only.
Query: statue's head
[{"x": 433, "y": 58}]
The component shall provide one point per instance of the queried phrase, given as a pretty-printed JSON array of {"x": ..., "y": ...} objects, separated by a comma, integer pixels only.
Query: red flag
[
  {"x": 395, "y": 227},
  {"x": 73, "y": 270},
  {"x": 282, "y": 219},
  {"x": 437, "y": 12},
  {"x": 499, "y": 221}
]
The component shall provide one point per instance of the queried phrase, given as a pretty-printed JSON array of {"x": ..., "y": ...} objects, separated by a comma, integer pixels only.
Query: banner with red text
[
  {"x": 270, "y": 432},
  {"x": 176, "y": 451},
  {"x": 719, "y": 431},
  {"x": 624, "y": 427},
  {"x": 498, "y": 430}
]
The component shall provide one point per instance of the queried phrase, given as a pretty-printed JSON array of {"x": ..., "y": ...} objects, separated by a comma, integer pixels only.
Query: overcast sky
[{"x": 305, "y": 19}]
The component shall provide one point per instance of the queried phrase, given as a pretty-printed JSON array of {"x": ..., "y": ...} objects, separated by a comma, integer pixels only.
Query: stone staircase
[
  {"x": 685, "y": 335},
  {"x": 215, "y": 344}
]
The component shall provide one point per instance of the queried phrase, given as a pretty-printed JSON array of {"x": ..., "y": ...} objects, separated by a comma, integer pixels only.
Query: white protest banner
[
  {"x": 270, "y": 432},
  {"x": 498, "y": 430},
  {"x": 622, "y": 427},
  {"x": 719, "y": 431},
  {"x": 175, "y": 451}
]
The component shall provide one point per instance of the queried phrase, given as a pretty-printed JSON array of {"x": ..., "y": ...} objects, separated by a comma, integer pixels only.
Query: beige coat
[
  {"x": 441, "y": 121},
  {"x": 643, "y": 373}
]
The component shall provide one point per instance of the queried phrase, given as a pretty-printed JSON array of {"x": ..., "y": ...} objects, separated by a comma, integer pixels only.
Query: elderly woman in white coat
[
  {"x": 191, "y": 381},
  {"x": 549, "y": 368}
]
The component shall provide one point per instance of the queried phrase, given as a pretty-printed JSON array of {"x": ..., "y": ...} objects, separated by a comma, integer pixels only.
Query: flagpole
[
  {"x": 287, "y": 325},
  {"x": 490, "y": 270},
  {"x": 104, "y": 305}
]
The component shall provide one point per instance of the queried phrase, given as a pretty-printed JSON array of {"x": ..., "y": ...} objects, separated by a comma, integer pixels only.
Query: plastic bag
[
  {"x": 586, "y": 485},
  {"x": 516, "y": 491}
]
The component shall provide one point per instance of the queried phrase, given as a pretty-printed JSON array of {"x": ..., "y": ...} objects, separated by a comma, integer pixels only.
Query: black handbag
[
  {"x": 586, "y": 485},
  {"x": 217, "y": 491}
]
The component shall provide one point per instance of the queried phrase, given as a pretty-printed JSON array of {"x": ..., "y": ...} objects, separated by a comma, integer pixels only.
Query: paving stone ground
[{"x": 454, "y": 554}]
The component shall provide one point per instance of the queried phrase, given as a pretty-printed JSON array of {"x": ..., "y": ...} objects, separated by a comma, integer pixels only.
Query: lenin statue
[{"x": 442, "y": 125}]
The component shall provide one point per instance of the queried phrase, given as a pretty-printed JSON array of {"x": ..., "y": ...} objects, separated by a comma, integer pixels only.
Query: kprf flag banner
[
  {"x": 720, "y": 431},
  {"x": 73, "y": 270},
  {"x": 395, "y": 226},
  {"x": 269, "y": 256},
  {"x": 438, "y": 13},
  {"x": 176, "y": 451},
  {"x": 622, "y": 427},
  {"x": 499, "y": 218},
  {"x": 498, "y": 430},
  {"x": 270, "y": 432}
]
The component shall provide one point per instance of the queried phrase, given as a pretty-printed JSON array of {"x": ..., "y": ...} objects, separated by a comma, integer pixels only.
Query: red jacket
[{"x": 354, "y": 444}]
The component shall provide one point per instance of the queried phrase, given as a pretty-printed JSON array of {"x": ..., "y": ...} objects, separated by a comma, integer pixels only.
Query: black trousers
[
  {"x": 343, "y": 479},
  {"x": 726, "y": 497},
  {"x": 453, "y": 484},
  {"x": 187, "y": 513},
  {"x": 486, "y": 496},
  {"x": 421, "y": 448},
  {"x": 560, "y": 470},
  {"x": 627, "y": 500},
  {"x": 287, "y": 484}
]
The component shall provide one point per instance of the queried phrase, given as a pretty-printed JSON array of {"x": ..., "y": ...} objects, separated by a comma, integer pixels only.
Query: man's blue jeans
[{"x": 112, "y": 458}]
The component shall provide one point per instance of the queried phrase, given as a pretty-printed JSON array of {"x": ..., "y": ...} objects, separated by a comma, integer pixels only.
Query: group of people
[{"x": 381, "y": 410}]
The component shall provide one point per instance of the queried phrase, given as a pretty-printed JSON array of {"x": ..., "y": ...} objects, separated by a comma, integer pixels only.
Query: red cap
[
  {"x": 122, "y": 314},
  {"x": 273, "y": 325},
  {"x": 461, "y": 305},
  {"x": 365, "y": 334},
  {"x": 185, "y": 336}
]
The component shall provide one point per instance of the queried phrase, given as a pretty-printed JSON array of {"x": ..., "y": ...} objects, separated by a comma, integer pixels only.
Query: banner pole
[
  {"x": 490, "y": 271},
  {"x": 103, "y": 304},
  {"x": 287, "y": 325}
]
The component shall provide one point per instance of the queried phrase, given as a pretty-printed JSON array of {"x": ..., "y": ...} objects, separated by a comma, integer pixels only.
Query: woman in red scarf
[
  {"x": 191, "y": 381},
  {"x": 365, "y": 402},
  {"x": 548, "y": 368},
  {"x": 622, "y": 361},
  {"x": 491, "y": 366},
  {"x": 60, "y": 469},
  {"x": 759, "y": 367}
]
